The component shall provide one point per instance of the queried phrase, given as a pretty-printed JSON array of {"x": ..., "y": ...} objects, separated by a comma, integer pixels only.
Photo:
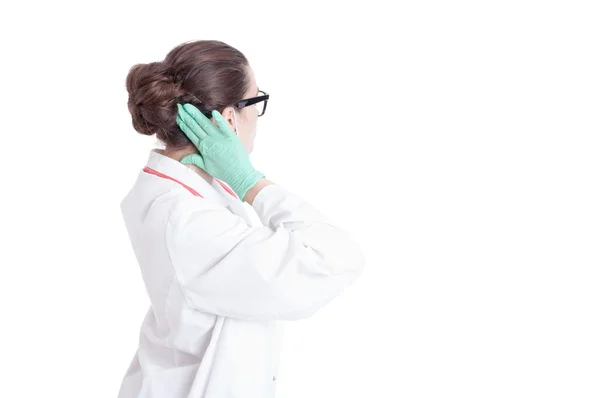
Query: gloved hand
[{"x": 222, "y": 154}]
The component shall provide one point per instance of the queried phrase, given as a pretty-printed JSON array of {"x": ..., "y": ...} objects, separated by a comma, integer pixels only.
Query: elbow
[
  {"x": 304, "y": 311},
  {"x": 326, "y": 288},
  {"x": 348, "y": 259},
  {"x": 348, "y": 256},
  {"x": 354, "y": 266},
  {"x": 358, "y": 260}
]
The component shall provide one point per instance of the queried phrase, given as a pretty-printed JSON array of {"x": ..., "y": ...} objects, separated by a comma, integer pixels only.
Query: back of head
[{"x": 207, "y": 73}]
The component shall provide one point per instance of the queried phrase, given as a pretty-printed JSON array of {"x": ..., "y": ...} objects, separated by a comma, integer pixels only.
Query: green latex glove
[{"x": 222, "y": 154}]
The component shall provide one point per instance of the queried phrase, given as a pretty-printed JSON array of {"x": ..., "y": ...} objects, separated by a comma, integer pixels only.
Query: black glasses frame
[
  {"x": 254, "y": 100},
  {"x": 247, "y": 102}
]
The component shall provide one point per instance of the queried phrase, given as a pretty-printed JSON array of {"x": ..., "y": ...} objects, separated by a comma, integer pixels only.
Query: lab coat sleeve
[{"x": 287, "y": 269}]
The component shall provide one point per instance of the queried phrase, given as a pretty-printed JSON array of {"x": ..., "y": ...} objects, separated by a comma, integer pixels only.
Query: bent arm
[{"x": 287, "y": 269}]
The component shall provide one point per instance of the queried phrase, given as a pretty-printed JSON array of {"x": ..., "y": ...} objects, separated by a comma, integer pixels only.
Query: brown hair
[{"x": 206, "y": 73}]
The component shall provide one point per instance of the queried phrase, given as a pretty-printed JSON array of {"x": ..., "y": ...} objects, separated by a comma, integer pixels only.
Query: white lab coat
[{"x": 219, "y": 283}]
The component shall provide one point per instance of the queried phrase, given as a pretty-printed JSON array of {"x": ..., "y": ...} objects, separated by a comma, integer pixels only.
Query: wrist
[
  {"x": 247, "y": 182},
  {"x": 255, "y": 189}
]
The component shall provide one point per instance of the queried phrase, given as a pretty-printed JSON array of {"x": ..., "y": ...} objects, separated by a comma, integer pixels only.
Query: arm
[
  {"x": 252, "y": 192},
  {"x": 288, "y": 269}
]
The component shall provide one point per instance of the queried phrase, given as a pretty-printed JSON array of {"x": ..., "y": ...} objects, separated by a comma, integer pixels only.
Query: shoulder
[{"x": 192, "y": 212}]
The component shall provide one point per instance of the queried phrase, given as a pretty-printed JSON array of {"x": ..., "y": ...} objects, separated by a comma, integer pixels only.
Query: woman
[{"x": 218, "y": 282}]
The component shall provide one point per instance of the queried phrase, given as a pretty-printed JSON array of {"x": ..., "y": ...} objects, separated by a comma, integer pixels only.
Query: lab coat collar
[
  {"x": 183, "y": 174},
  {"x": 218, "y": 191}
]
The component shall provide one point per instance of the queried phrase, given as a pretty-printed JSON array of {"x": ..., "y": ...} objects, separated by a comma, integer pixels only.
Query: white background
[{"x": 458, "y": 141}]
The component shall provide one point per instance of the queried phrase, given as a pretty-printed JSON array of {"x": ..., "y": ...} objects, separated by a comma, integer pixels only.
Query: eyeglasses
[{"x": 260, "y": 102}]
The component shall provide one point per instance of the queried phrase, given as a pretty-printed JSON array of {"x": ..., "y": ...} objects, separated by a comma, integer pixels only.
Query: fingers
[
  {"x": 194, "y": 119},
  {"x": 194, "y": 158},
  {"x": 198, "y": 117},
  {"x": 191, "y": 134},
  {"x": 193, "y": 123},
  {"x": 222, "y": 123}
]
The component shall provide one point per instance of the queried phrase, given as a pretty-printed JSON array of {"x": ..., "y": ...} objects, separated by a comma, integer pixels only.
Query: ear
[{"x": 228, "y": 116}]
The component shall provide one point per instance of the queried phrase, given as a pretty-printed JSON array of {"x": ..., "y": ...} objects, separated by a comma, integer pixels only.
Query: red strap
[
  {"x": 159, "y": 174},
  {"x": 227, "y": 189},
  {"x": 156, "y": 173}
]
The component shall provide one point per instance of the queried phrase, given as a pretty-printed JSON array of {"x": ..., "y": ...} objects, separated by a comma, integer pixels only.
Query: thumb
[{"x": 195, "y": 159}]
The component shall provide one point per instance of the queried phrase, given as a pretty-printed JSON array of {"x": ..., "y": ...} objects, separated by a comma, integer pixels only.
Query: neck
[{"x": 178, "y": 154}]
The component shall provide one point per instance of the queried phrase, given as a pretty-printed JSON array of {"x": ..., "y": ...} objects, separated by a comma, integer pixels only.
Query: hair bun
[{"x": 152, "y": 98}]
